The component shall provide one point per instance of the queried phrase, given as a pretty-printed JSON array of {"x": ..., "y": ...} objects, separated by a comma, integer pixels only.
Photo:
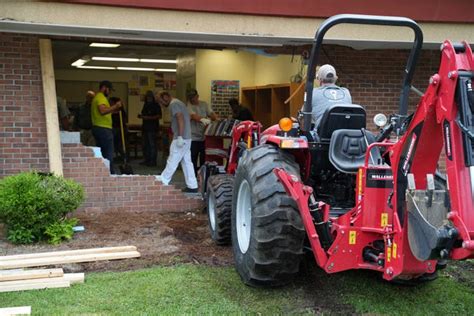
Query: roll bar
[{"x": 370, "y": 20}]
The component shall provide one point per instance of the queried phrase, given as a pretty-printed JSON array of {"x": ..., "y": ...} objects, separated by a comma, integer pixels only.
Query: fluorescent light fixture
[
  {"x": 165, "y": 70},
  {"x": 135, "y": 69},
  {"x": 158, "y": 61},
  {"x": 106, "y": 45},
  {"x": 96, "y": 67},
  {"x": 116, "y": 59},
  {"x": 79, "y": 62}
]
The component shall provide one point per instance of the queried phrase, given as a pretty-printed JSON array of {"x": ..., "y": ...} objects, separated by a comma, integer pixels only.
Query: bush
[
  {"x": 60, "y": 231},
  {"x": 31, "y": 202}
]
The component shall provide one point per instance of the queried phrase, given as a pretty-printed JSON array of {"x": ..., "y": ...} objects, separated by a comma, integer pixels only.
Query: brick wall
[
  {"x": 374, "y": 77},
  {"x": 129, "y": 193},
  {"x": 23, "y": 143}
]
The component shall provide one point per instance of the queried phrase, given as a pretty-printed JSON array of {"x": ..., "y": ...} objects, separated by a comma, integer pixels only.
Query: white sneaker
[{"x": 160, "y": 179}]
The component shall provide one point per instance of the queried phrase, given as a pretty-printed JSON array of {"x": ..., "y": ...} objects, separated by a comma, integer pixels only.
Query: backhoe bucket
[{"x": 430, "y": 235}]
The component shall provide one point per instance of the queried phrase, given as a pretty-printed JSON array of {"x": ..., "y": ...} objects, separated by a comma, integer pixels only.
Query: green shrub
[
  {"x": 31, "y": 202},
  {"x": 60, "y": 231}
]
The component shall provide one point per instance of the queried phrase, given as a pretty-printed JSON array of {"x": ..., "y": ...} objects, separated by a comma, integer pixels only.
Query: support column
[{"x": 51, "y": 108}]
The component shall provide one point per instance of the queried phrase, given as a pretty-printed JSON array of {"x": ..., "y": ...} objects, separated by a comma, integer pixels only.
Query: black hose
[{"x": 322, "y": 228}]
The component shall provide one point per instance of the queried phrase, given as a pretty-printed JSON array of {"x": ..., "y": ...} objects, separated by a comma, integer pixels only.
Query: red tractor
[{"x": 356, "y": 200}]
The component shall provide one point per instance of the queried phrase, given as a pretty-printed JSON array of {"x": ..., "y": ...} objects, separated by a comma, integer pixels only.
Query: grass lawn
[
  {"x": 444, "y": 296},
  {"x": 191, "y": 289},
  {"x": 182, "y": 289}
]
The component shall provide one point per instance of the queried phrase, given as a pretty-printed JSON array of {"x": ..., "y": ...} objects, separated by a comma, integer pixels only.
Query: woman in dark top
[
  {"x": 239, "y": 112},
  {"x": 151, "y": 114}
]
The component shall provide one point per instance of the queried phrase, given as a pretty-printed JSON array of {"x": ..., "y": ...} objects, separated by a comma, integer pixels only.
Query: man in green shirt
[{"x": 101, "y": 113}]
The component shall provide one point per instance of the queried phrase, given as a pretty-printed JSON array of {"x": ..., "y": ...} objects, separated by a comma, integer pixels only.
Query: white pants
[{"x": 177, "y": 155}]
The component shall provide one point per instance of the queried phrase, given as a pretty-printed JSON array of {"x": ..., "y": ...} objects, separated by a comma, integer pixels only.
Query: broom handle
[
  {"x": 122, "y": 134},
  {"x": 303, "y": 81}
]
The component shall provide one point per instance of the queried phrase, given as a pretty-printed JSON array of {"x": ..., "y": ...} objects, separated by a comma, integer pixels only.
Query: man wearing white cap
[{"x": 328, "y": 93}]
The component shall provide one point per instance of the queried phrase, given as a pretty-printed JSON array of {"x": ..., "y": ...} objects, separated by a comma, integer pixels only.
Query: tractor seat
[
  {"x": 337, "y": 116},
  {"x": 347, "y": 150}
]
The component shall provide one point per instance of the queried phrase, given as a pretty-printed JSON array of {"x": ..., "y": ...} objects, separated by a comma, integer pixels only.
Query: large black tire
[
  {"x": 219, "y": 207},
  {"x": 276, "y": 234}
]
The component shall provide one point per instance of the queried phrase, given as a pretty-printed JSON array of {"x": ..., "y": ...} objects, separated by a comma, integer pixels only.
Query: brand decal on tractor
[
  {"x": 447, "y": 140},
  {"x": 406, "y": 163}
]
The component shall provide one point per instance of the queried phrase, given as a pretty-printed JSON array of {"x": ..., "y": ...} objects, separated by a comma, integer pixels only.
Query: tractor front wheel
[
  {"x": 219, "y": 207},
  {"x": 267, "y": 231}
]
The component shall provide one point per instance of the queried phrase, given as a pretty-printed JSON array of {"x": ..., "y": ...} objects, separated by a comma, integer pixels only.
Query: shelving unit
[{"x": 267, "y": 102}]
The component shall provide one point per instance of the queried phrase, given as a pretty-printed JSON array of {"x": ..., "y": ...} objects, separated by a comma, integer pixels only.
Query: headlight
[{"x": 380, "y": 120}]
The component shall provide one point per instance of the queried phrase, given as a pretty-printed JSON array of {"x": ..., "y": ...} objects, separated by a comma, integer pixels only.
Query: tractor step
[{"x": 338, "y": 211}]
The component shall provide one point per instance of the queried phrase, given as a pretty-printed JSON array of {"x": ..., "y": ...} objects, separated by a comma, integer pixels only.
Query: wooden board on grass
[
  {"x": 37, "y": 262},
  {"x": 12, "y": 275},
  {"x": 72, "y": 278},
  {"x": 69, "y": 253},
  {"x": 12, "y": 311},
  {"x": 33, "y": 286}
]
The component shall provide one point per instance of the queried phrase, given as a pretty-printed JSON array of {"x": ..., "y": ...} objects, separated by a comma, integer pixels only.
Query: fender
[{"x": 297, "y": 146}]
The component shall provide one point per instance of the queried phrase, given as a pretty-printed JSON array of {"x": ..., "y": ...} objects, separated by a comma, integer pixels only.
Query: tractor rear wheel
[
  {"x": 267, "y": 231},
  {"x": 219, "y": 207}
]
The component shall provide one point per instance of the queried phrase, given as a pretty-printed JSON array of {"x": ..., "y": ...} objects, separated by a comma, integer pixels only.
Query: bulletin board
[{"x": 221, "y": 92}]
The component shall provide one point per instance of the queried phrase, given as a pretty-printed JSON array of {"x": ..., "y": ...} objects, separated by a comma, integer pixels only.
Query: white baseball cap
[{"x": 326, "y": 72}]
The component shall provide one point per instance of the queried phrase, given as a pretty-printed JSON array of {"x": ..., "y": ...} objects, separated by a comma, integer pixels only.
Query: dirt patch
[
  {"x": 161, "y": 239},
  {"x": 462, "y": 271},
  {"x": 322, "y": 292}
]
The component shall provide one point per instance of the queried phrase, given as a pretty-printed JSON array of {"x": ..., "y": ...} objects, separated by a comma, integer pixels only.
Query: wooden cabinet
[{"x": 267, "y": 102}]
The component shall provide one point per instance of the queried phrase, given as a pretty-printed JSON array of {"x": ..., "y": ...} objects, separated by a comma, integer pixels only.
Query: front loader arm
[{"x": 246, "y": 132}]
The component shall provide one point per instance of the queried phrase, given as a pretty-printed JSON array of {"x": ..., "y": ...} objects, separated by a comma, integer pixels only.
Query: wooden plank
[
  {"x": 69, "y": 253},
  {"x": 33, "y": 286},
  {"x": 74, "y": 278},
  {"x": 37, "y": 262},
  {"x": 50, "y": 107},
  {"x": 33, "y": 281},
  {"x": 12, "y": 311},
  {"x": 30, "y": 274}
]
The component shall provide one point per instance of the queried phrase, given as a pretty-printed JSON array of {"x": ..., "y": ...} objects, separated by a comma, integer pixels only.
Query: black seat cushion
[
  {"x": 347, "y": 150},
  {"x": 337, "y": 116}
]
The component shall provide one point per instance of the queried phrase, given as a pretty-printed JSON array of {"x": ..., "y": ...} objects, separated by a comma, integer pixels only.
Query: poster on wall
[
  {"x": 143, "y": 81},
  {"x": 221, "y": 92}
]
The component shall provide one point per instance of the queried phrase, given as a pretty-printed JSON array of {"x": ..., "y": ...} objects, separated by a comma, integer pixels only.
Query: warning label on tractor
[
  {"x": 384, "y": 219},
  {"x": 394, "y": 251},
  {"x": 352, "y": 237}
]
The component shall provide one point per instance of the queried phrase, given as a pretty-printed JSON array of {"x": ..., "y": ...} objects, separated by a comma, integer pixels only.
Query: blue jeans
[{"x": 104, "y": 138}]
